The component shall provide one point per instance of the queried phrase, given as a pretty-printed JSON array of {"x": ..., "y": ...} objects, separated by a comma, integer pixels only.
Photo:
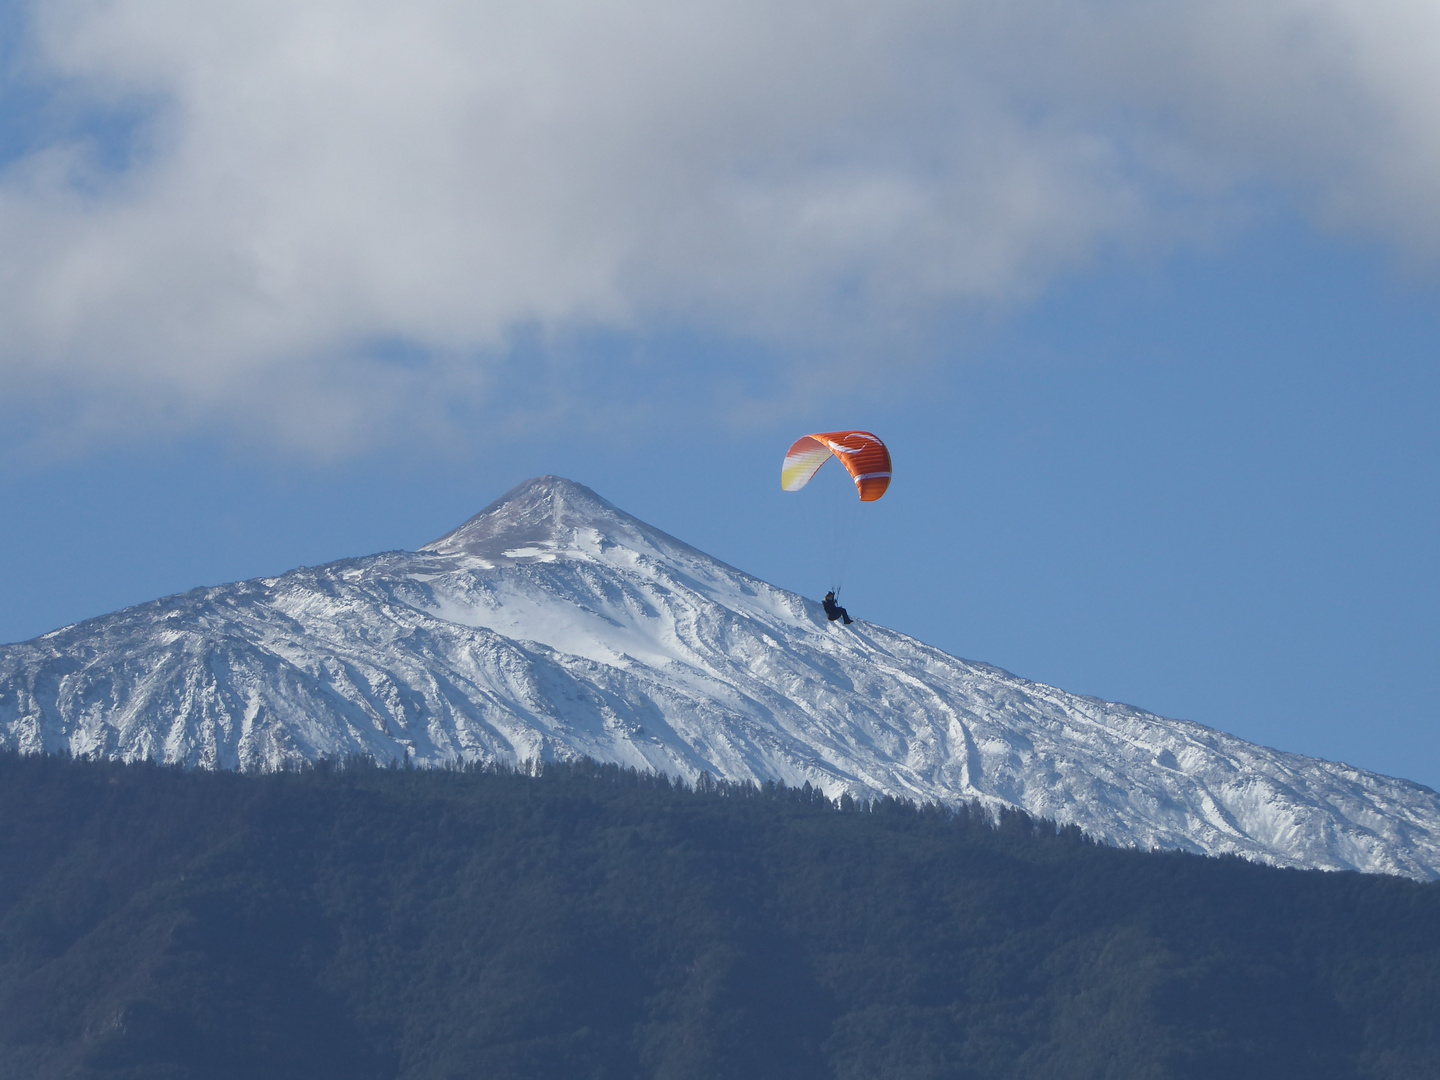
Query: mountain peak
[
  {"x": 553, "y": 625},
  {"x": 550, "y": 512}
]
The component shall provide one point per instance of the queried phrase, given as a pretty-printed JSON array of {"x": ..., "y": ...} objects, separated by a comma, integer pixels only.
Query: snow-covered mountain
[{"x": 553, "y": 625}]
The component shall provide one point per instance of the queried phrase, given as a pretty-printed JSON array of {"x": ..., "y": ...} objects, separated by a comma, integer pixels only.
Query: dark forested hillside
[{"x": 368, "y": 923}]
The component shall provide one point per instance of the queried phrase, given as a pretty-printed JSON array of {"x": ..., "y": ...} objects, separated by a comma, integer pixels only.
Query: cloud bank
[{"x": 312, "y": 215}]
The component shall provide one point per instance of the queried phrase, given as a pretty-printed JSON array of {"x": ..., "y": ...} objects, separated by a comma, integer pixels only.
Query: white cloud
[{"x": 311, "y": 177}]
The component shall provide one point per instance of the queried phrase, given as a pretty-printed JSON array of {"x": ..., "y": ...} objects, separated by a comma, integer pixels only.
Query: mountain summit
[
  {"x": 554, "y": 625},
  {"x": 549, "y": 511}
]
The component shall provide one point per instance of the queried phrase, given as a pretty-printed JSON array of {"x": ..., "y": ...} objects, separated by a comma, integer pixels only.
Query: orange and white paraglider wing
[
  {"x": 864, "y": 456},
  {"x": 802, "y": 461}
]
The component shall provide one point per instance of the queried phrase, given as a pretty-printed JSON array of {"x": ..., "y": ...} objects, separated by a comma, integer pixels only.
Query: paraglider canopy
[{"x": 864, "y": 456}]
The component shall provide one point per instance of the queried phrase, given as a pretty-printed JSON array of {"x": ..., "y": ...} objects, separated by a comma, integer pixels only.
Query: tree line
[{"x": 584, "y": 919}]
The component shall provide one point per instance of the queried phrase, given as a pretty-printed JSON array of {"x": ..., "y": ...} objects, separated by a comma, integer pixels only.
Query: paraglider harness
[{"x": 833, "y": 610}]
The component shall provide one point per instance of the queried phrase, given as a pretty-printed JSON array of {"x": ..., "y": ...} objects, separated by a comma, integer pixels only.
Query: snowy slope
[{"x": 554, "y": 625}]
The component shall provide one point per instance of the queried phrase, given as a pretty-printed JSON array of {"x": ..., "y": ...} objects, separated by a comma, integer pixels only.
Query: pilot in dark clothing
[{"x": 833, "y": 610}]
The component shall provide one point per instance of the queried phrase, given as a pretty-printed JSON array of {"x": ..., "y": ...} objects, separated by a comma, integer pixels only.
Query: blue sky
[{"x": 1147, "y": 311}]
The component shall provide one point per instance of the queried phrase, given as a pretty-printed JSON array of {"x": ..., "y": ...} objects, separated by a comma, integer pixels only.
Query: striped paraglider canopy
[{"x": 864, "y": 456}]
